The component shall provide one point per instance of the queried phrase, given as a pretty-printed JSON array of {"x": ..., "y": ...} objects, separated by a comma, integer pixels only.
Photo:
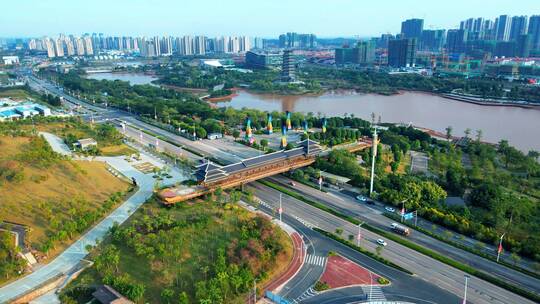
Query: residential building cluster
[
  {"x": 91, "y": 45},
  {"x": 476, "y": 38}
]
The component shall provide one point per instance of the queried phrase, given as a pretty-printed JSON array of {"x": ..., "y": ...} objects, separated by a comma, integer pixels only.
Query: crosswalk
[
  {"x": 374, "y": 293},
  {"x": 305, "y": 223},
  {"x": 316, "y": 260},
  {"x": 306, "y": 295}
]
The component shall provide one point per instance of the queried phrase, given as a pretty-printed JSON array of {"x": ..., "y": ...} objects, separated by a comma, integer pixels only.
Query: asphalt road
[
  {"x": 403, "y": 287},
  {"x": 425, "y": 268},
  {"x": 372, "y": 215}
]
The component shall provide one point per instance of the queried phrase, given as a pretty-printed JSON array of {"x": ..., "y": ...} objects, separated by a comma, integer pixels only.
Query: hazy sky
[{"x": 266, "y": 18}]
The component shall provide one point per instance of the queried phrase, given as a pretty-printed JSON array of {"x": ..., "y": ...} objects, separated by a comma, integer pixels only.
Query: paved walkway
[
  {"x": 57, "y": 144},
  {"x": 77, "y": 251}
]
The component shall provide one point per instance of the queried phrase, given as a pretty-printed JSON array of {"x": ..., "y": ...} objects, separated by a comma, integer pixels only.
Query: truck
[{"x": 400, "y": 229}]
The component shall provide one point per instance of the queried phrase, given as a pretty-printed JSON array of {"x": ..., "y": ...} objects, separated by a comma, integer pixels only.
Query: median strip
[
  {"x": 463, "y": 247},
  {"x": 428, "y": 252}
]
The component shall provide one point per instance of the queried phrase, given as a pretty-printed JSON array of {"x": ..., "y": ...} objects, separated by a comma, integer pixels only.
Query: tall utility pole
[{"x": 374, "y": 150}]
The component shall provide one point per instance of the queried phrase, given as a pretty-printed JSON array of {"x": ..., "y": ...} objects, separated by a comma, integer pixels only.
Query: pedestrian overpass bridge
[{"x": 211, "y": 176}]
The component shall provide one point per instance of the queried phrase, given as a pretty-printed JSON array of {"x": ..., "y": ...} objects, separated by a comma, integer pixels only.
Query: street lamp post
[
  {"x": 403, "y": 209},
  {"x": 280, "y": 210},
  {"x": 499, "y": 249},
  {"x": 359, "y": 236},
  {"x": 374, "y": 149},
  {"x": 465, "y": 292}
]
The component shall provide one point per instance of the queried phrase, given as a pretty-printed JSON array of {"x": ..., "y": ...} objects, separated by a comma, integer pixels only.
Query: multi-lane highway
[
  {"x": 348, "y": 205},
  {"x": 425, "y": 268},
  {"x": 403, "y": 287}
]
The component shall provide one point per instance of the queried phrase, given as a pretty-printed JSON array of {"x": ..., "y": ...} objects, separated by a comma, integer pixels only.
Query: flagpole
[{"x": 415, "y": 217}]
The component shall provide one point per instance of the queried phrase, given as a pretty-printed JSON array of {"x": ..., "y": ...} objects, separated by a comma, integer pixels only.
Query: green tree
[
  {"x": 264, "y": 143},
  {"x": 449, "y": 133},
  {"x": 236, "y": 134},
  {"x": 183, "y": 298}
]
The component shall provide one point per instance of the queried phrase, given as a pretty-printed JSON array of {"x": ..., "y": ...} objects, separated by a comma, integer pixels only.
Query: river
[
  {"x": 521, "y": 127},
  {"x": 133, "y": 78}
]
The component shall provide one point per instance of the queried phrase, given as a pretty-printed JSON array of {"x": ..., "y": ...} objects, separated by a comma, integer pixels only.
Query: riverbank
[{"x": 490, "y": 102}]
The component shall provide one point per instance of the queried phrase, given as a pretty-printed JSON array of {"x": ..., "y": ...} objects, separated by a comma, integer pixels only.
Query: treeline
[
  {"x": 383, "y": 83},
  {"x": 51, "y": 99}
]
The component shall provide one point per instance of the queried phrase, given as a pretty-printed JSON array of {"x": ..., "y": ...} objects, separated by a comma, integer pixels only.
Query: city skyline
[{"x": 240, "y": 17}]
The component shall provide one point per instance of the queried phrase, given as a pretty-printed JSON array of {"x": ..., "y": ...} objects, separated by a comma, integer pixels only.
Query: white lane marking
[
  {"x": 306, "y": 295},
  {"x": 316, "y": 260},
  {"x": 374, "y": 293}
]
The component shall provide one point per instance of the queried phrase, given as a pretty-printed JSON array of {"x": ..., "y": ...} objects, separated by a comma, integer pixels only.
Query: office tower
[
  {"x": 199, "y": 45},
  {"x": 287, "y": 67},
  {"x": 432, "y": 40},
  {"x": 362, "y": 53},
  {"x": 523, "y": 45},
  {"x": 402, "y": 52},
  {"x": 456, "y": 41},
  {"x": 518, "y": 27},
  {"x": 263, "y": 60},
  {"x": 502, "y": 28},
  {"x": 534, "y": 31},
  {"x": 88, "y": 48},
  {"x": 412, "y": 28}
]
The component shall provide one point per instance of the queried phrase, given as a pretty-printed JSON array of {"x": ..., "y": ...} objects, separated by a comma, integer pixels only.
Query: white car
[
  {"x": 361, "y": 198},
  {"x": 381, "y": 242},
  {"x": 390, "y": 209}
]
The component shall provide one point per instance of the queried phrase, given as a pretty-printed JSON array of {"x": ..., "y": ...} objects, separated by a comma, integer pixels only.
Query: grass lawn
[
  {"x": 44, "y": 198},
  {"x": 186, "y": 251},
  {"x": 15, "y": 94}
]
